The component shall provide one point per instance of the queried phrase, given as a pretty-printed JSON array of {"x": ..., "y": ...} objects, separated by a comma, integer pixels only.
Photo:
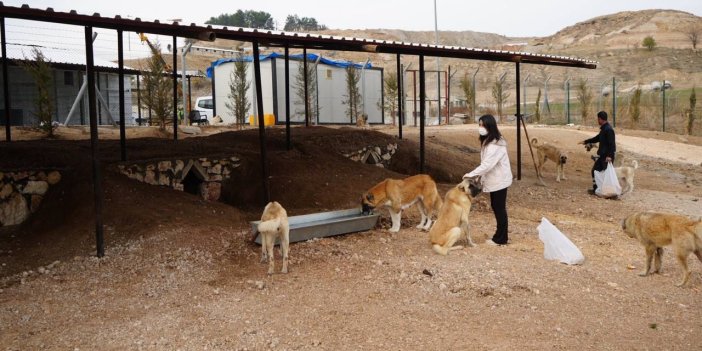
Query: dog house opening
[{"x": 192, "y": 183}]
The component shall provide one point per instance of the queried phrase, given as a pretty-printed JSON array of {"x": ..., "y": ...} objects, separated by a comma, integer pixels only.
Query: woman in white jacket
[{"x": 495, "y": 173}]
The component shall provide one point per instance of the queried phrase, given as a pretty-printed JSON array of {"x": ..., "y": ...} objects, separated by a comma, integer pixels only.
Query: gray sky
[{"x": 506, "y": 17}]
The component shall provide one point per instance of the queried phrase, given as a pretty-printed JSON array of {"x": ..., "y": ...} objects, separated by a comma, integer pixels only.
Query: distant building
[
  {"x": 68, "y": 74},
  {"x": 331, "y": 79}
]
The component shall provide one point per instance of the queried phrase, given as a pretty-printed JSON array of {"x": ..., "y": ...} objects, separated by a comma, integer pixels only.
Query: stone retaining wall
[
  {"x": 21, "y": 193},
  {"x": 173, "y": 173},
  {"x": 377, "y": 155}
]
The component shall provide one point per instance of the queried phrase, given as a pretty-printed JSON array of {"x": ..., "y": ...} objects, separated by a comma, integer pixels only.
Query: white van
[{"x": 205, "y": 106}]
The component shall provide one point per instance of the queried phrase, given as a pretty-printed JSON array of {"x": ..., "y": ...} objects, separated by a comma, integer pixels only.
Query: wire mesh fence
[{"x": 564, "y": 98}]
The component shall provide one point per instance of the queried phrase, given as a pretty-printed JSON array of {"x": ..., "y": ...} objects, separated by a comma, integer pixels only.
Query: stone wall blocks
[{"x": 36, "y": 188}]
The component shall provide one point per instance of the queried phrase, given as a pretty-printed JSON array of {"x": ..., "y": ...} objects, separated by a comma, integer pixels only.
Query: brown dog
[
  {"x": 274, "y": 225},
  {"x": 400, "y": 194},
  {"x": 546, "y": 152},
  {"x": 452, "y": 223},
  {"x": 655, "y": 230}
]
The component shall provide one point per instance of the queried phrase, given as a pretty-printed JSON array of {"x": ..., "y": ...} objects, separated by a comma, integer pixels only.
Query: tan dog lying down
[
  {"x": 400, "y": 194},
  {"x": 274, "y": 225},
  {"x": 452, "y": 223},
  {"x": 655, "y": 230}
]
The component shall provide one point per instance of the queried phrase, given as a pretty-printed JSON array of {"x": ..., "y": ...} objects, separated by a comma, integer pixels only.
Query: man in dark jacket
[{"x": 606, "y": 149}]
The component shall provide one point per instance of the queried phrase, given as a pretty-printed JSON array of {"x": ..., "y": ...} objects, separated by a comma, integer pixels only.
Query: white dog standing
[{"x": 274, "y": 225}]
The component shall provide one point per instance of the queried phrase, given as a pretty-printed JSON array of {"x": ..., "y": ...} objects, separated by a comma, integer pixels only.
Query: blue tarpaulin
[{"x": 310, "y": 58}]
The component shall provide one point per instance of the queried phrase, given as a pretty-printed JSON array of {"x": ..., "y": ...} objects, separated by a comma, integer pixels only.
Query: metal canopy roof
[{"x": 289, "y": 39}]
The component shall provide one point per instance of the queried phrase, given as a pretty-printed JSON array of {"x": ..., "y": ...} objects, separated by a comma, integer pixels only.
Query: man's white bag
[
  {"x": 557, "y": 246},
  {"x": 607, "y": 182}
]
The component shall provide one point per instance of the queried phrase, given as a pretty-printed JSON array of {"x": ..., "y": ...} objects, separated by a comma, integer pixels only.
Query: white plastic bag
[
  {"x": 607, "y": 182},
  {"x": 557, "y": 246}
]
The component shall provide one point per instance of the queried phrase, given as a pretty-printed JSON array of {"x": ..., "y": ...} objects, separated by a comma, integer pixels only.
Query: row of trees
[
  {"x": 248, "y": 18},
  {"x": 264, "y": 20}
]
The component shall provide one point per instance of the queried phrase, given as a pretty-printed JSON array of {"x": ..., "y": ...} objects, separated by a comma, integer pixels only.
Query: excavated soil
[{"x": 179, "y": 272}]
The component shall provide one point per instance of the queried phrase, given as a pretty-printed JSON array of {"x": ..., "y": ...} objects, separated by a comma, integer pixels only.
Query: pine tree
[
  {"x": 469, "y": 93},
  {"x": 635, "y": 107},
  {"x": 691, "y": 111},
  {"x": 499, "y": 94},
  {"x": 584, "y": 97},
  {"x": 299, "y": 86},
  {"x": 390, "y": 90},
  {"x": 239, "y": 103},
  {"x": 40, "y": 69},
  {"x": 537, "y": 108},
  {"x": 159, "y": 96}
]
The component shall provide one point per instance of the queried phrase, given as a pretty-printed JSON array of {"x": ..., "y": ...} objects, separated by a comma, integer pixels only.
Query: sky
[{"x": 505, "y": 17}]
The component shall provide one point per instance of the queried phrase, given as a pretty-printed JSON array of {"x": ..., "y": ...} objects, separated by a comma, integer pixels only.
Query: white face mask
[{"x": 482, "y": 131}]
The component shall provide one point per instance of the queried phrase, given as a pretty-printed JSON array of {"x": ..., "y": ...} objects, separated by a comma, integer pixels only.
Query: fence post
[
  {"x": 614, "y": 102},
  {"x": 567, "y": 105},
  {"x": 663, "y": 109}
]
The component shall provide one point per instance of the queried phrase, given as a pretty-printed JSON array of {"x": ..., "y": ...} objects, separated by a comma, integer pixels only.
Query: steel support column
[
  {"x": 190, "y": 100},
  {"x": 519, "y": 127},
  {"x": 287, "y": 98},
  {"x": 400, "y": 94},
  {"x": 122, "y": 128},
  {"x": 138, "y": 78},
  {"x": 175, "y": 90},
  {"x": 5, "y": 82},
  {"x": 95, "y": 154},
  {"x": 448, "y": 95},
  {"x": 261, "y": 121},
  {"x": 307, "y": 105},
  {"x": 422, "y": 112},
  {"x": 214, "y": 93}
]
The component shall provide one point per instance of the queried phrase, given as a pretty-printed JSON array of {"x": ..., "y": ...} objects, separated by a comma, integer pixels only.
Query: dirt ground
[{"x": 179, "y": 273}]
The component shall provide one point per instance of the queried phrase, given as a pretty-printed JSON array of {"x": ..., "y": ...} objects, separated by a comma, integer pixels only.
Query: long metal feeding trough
[{"x": 324, "y": 224}]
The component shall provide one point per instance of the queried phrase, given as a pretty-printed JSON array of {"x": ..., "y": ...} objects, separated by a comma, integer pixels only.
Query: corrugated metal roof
[
  {"x": 289, "y": 39},
  {"x": 56, "y": 55}
]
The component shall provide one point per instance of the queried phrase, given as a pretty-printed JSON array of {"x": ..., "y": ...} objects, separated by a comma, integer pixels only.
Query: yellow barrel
[{"x": 268, "y": 120}]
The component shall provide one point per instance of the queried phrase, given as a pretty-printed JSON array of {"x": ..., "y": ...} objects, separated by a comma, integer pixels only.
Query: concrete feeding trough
[{"x": 324, "y": 224}]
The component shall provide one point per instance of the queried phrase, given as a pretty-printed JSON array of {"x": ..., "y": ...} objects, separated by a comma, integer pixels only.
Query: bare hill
[{"x": 625, "y": 30}]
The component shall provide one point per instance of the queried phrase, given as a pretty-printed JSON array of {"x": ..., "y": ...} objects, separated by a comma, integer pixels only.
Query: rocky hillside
[
  {"x": 613, "y": 40},
  {"x": 626, "y": 30}
]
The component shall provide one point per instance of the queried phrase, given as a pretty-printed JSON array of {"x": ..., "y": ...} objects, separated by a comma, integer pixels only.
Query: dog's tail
[
  {"x": 534, "y": 141},
  {"x": 271, "y": 225},
  {"x": 635, "y": 164}
]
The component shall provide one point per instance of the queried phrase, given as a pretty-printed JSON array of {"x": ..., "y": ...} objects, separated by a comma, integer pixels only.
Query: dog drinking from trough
[{"x": 400, "y": 194}]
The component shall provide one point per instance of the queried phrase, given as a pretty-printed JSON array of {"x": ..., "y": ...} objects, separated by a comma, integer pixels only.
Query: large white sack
[
  {"x": 607, "y": 182},
  {"x": 557, "y": 246}
]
